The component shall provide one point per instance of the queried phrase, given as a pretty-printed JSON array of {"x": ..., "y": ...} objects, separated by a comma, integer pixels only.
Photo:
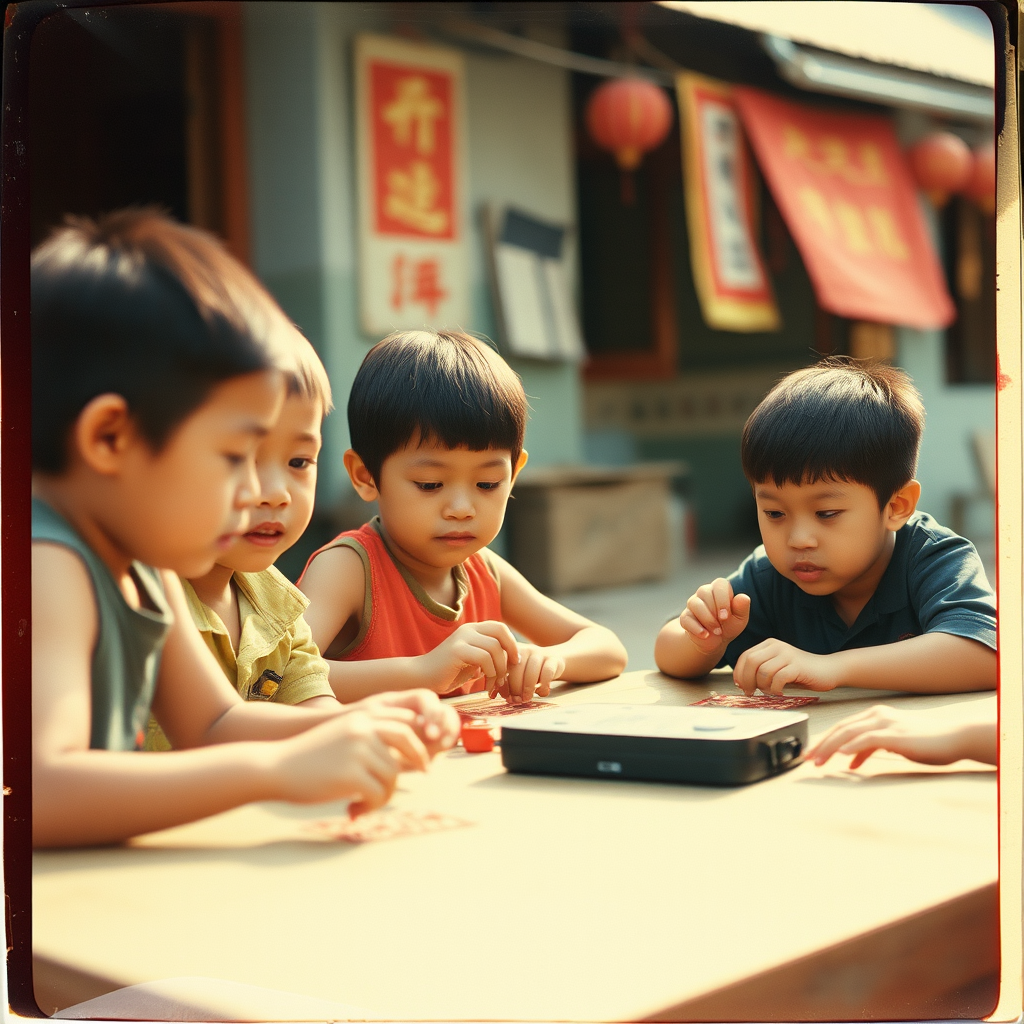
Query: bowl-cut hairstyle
[
  {"x": 135, "y": 304},
  {"x": 841, "y": 419},
  {"x": 445, "y": 387}
]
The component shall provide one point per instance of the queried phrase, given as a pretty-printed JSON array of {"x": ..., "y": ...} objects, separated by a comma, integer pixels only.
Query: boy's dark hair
[
  {"x": 137, "y": 305},
  {"x": 841, "y": 419},
  {"x": 442, "y": 386},
  {"x": 309, "y": 379}
]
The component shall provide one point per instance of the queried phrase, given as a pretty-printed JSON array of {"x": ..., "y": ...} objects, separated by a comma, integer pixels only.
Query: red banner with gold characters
[
  {"x": 410, "y": 124},
  {"x": 728, "y": 271},
  {"x": 843, "y": 187}
]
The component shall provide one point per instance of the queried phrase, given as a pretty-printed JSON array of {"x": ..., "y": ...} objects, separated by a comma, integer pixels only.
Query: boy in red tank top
[{"x": 414, "y": 598}]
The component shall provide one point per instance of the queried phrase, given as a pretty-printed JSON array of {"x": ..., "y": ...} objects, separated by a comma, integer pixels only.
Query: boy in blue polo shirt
[{"x": 852, "y": 585}]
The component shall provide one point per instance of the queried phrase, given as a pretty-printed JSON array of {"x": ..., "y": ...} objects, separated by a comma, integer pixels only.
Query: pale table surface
[{"x": 564, "y": 899}]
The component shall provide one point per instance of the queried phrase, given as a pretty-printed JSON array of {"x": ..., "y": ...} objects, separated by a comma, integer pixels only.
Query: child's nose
[
  {"x": 273, "y": 491},
  {"x": 460, "y": 505},
  {"x": 802, "y": 536},
  {"x": 248, "y": 492}
]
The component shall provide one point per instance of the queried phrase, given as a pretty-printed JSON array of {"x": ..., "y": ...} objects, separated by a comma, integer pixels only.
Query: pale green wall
[{"x": 303, "y": 213}]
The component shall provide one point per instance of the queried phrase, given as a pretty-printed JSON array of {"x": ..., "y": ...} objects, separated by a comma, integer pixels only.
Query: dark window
[{"x": 970, "y": 246}]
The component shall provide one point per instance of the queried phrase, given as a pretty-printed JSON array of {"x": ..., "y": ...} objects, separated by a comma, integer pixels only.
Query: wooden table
[{"x": 822, "y": 893}]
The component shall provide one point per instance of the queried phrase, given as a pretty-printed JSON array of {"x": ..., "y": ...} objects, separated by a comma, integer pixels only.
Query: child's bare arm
[
  {"x": 932, "y": 663},
  {"x": 563, "y": 644},
  {"x": 83, "y": 796},
  {"x": 935, "y": 736},
  {"x": 692, "y": 645}
]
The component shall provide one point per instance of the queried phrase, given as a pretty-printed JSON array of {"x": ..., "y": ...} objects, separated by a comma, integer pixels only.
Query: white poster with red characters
[{"x": 410, "y": 131}]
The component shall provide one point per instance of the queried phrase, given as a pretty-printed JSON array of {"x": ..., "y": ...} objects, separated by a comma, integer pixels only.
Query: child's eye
[
  {"x": 772, "y": 513},
  {"x": 828, "y": 513},
  {"x": 486, "y": 485},
  {"x": 431, "y": 486},
  {"x": 301, "y": 463},
  {"x": 234, "y": 459}
]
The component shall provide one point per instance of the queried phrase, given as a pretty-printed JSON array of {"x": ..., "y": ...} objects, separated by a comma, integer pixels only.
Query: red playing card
[
  {"x": 780, "y": 702},
  {"x": 385, "y": 824},
  {"x": 497, "y": 708}
]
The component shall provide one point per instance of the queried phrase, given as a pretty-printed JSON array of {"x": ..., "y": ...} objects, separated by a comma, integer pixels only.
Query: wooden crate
[{"x": 577, "y": 528}]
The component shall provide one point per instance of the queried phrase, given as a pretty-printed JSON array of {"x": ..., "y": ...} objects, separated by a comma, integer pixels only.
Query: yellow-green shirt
[{"x": 276, "y": 660}]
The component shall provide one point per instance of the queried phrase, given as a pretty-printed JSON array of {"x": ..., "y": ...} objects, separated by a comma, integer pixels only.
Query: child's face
[
  {"x": 828, "y": 537},
  {"x": 440, "y": 505},
  {"x": 286, "y": 468},
  {"x": 182, "y": 507}
]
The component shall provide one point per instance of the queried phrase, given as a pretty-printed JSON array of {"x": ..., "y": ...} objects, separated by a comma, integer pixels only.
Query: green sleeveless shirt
[{"x": 129, "y": 641}]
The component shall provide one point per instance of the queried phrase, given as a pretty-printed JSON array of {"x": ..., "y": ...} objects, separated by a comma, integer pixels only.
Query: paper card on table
[
  {"x": 779, "y": 702},
  {"x": 385, "y": 824},
  {"x": 498, "y": 708}
]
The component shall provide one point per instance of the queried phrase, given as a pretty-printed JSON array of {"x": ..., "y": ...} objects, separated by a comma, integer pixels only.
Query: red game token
[{"x": 476, "y": 736}]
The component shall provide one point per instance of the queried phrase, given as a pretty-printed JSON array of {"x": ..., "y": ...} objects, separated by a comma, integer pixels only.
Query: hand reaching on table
[
  {"x": 475, "y": 649},
  {"x": 936, "y": 736},
  {"x": 353, "y": 756},
  {"x": 534, "y": 673},
  {"x": 771, "y": 664},
  {"x": 436, "y": 725}
]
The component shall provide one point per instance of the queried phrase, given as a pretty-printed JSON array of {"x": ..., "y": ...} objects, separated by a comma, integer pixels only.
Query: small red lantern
[
  {"x": 941, "y": 163},
  {"x": 981, "y": 185},
  {"x": 630, "y": 117}
]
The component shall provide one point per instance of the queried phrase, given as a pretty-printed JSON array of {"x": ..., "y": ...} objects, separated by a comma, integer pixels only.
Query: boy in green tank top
[{"x": 158, "y": 364}]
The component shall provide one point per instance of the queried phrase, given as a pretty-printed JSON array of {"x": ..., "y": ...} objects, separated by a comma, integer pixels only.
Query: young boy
[
  {"x": 414, "y": 598},
  {"x": 248, "y": 613},
  {"x": 157, "y": 368},
  {"x": 852, "y": 586}
]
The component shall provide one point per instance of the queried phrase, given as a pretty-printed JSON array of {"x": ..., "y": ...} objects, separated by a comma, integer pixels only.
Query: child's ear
[
  {"x": 361, "y": 477},
  {"x": 103, "y": 432},
  {"x": 902, "y": 505},
  {"x": 520, "y": 462}
]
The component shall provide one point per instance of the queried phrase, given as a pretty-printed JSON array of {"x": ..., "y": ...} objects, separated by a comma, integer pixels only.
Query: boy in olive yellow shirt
[{"x": 249, "y": 615}]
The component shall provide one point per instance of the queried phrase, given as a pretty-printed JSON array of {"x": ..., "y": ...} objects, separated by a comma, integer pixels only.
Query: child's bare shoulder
[
  {"x": 335, "y": 572},
  {"x": 63, "y": 600}
]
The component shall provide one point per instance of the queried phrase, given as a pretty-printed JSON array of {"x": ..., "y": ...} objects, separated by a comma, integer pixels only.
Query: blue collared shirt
[{"x": 934, "y": 583}]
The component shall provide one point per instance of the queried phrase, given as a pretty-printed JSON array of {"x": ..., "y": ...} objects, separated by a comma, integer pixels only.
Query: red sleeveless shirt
[{"x": 401, "y": 620}]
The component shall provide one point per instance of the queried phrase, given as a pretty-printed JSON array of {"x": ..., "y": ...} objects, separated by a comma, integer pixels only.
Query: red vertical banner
[
  {"x": 729, "y": 273},
  {"x": 410, "y": 144},
  {"x": 843, "y": 187}
]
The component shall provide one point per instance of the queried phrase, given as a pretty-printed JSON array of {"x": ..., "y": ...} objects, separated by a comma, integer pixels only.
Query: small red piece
[{"x": 476, "y": 736}]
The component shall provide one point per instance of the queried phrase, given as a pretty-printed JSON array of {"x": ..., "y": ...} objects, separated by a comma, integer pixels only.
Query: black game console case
[{"x": 707, "y": 745}]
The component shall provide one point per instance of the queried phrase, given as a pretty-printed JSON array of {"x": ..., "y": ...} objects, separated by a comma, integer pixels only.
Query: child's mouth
[
  {"x": 808, "y": 573},
  {"x": 456, "y": 539},
  {"x": 266, "y": 535}
]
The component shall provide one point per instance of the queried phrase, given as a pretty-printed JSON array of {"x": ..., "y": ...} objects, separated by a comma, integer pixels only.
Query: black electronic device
[{"x": 706, "y": 745}]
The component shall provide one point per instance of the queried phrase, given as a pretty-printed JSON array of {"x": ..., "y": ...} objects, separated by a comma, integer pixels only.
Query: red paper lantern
[
  {"x": 941, "y": 163},
  {"x": 981, "y": 185},
  {"x": 629, "y": 116}
]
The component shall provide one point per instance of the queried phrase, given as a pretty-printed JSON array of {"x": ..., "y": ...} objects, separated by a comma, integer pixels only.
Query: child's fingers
[
  {"x": 550, "y": 671},
  {"x": 741, "y": 606},
  {"x": 476, "y": 656},
  {"x": 503, "y": 635},
  {"x": 701, "y": 608},
  {"x": 721, "y": 590},
  {"x": 406, "y": 743}
]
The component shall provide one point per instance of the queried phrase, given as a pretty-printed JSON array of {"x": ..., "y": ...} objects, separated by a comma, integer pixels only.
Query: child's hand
[
  {"x": 537, "y": 669},
  {"x": 475, "y": 649},
  {"x": 771, "y": 664},
  {"x": 435, "y": 724},
  {"x": 353, "y": 756},
  {"x": 923, "y": 736},
  {"x": 714, "y": 616}
]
